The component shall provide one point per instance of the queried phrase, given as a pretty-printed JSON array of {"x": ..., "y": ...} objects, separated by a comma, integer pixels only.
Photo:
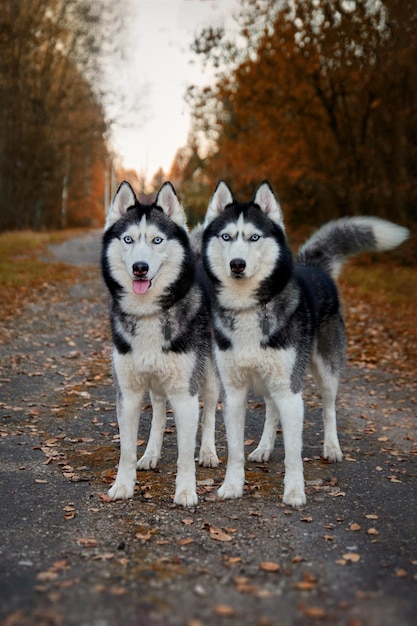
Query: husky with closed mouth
[
  {"x": 161, "y": 335},
  {"x": 273, "y": 316}
]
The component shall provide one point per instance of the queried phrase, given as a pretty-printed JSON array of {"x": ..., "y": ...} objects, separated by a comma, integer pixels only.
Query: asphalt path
[{"x": 69, "y": 557}]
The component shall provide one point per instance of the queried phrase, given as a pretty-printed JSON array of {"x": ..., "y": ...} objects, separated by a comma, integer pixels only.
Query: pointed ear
[
  {"x": 122, "y": 201},
  {"x": 221, "y": 197},
  {"x": 265, "y": 198},
  {"x": 168, "y": 201}
]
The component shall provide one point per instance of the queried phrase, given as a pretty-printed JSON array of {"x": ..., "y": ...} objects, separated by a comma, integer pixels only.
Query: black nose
[
  {"x": 237, "y": 266},
  {"x": 140, "y": 269}
]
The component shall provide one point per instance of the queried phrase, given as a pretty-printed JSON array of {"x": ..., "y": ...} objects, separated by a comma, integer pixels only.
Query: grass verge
[{"x": 26, "y": 269}]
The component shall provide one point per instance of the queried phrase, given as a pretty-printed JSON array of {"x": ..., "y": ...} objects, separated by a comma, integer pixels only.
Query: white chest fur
[
  {"x": 248, "y": 363},
  {"x": 149, "y": 363}
]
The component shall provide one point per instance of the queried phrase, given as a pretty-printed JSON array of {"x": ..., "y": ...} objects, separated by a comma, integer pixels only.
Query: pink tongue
[{"x": 141, "y": 286}]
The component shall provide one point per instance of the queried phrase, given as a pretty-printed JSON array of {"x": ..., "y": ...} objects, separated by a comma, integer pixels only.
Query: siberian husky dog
[
  {"x": 273, "y": 316},
  {"x": 161, "y": 335}
]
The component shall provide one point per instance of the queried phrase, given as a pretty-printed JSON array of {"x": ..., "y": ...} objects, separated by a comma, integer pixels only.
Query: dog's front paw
[
  {"x": 230, "y": 490},
  {"x": 332, "y": 452},
  {"x": 260, "y": 455},
  {"x": 294, "y": 496},
  {"x": 186, "y": 497},
  {"x": 147, "y": 462},
  {"x": 121, "y": 491},
  {"x": 208, "y": 458}
]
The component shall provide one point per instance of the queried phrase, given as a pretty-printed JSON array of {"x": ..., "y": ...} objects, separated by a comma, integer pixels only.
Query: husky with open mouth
[
  {"x": 161, "y": 335},
  {"x": 273, "y": 316}
]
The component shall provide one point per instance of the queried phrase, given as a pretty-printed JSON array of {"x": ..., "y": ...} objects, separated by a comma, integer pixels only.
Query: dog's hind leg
[
  {"x": 327, "y": 379},
  {"x": 210, "y": 391},
  {"x": 129, "y": 404},
  {"x": 152, "y": 454},
  {"x": 262, "y": 453}
]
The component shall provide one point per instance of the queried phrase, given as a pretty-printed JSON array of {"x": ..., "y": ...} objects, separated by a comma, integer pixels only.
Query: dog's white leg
[
  {"x": 128, "y": 413},
  {"x": 327, "y": 382},
  {"x": 291, "y": 410},
  {"x": 210, "y": 392},
  {"x": 234, "y": 419},
  {"x": 331, "y": 447},
  {"x": 186, "y": 412},
  {"x": 152, "y": 454},
  {"x": 264, "y": 450}
]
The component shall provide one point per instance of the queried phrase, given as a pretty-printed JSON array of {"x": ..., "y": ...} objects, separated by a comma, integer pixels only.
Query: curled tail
[{"x": 333, "y": 243}]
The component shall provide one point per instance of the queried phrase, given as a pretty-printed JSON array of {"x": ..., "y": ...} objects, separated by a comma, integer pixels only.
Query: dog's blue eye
[
  {"x": 157, "y": 240},
  {"x": 128, "y": 239},
  {"x": 255, "y": 237},
  {"x": 226, "y": 237}
]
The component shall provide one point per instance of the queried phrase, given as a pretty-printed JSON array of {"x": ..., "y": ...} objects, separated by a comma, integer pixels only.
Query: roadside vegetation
[{"x": 26, "y": 269}]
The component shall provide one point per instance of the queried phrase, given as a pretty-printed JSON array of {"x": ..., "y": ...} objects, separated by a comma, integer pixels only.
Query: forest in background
[
  {"x": 317, "y": 96},
  {"x": 320, "y": 98},
  {"x": 54, "y": 155}
]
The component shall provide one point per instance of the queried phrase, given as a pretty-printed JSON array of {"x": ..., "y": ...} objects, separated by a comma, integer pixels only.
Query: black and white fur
[
  {"x": 273, "y": 316},
  {"x": 161, "y": 335}
]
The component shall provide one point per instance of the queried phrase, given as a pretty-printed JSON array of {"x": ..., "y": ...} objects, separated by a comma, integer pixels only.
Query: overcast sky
[{"x": 156, "y": 75}]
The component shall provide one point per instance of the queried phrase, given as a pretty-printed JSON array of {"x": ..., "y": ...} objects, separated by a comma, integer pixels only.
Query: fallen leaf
[
  {"x": 60, "y": 565},
  {"x": 87, "y": 542},
  {"x": 394, "y": 479},
  {"x": 313, "y": 612},
  {"x": 224, "y": 610},
  {"x": 105, "y": 498},
  {"x": 105, "y": 556},
  {"x": 304, "y": 585},
  {"x": 372, "y": 531},
  {"x": 338, "y": 493},
  {"x": 269, "y": 566},
  {"x": 218, "y": 534},
  {"x": 232, "y": 560},
  {"x": 351, "y": 557},
  {"x": 308, "y": 582},
  {"x": 247, "y": 588},
  {"x": 66, "y": 584},
  {"x": 354, "y": 526},
  {"x": 143, "y": 536},
  {"x": 297, "y": 559},
  {"x": 401, "y": 573},
  {"x": 185, "y": 541},
  {"x": 118, "y": 591},
  {"x": 240, "y": 580},
  {"x": 46, "y": 576},
  {"x": 206, "y": 482}
]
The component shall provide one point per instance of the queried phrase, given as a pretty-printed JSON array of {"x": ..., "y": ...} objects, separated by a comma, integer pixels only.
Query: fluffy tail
[
  {"x": 333, "y": 243},
  {"x": 196, "y": 240}
]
